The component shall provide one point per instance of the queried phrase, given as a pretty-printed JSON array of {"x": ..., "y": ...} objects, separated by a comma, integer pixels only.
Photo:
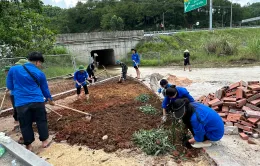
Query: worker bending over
[
  {"x": 80, "y": 78},
  {"x": 124, "y": 70}
]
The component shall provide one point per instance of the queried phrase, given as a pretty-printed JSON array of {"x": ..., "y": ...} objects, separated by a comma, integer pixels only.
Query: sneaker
[{"x": 201, "y": 144}]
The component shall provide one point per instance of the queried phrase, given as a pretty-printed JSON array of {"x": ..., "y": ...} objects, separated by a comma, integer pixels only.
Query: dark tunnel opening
[{"x": 104, "y": 57}]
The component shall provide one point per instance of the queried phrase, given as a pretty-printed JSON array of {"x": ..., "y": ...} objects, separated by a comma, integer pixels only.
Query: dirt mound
[
  {"x": 179, "y": 81},
  {"x": 115, "y": 114}
]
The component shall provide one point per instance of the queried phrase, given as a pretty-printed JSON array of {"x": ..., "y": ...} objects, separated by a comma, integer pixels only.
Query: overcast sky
[{"x": 72, "y": 3}]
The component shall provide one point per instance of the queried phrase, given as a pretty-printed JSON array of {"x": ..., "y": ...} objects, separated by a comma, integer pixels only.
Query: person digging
[
  {"x": 90, "y": 70},
  {"x": 203, "y": 122},
  {"x": 124, "y": 71},
  {"x": 30, "y": 87},
  {"x": 80, "y": 78}
]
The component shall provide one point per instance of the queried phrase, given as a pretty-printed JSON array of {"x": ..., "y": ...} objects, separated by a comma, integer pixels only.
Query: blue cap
[{"x": 118, "y": 62}]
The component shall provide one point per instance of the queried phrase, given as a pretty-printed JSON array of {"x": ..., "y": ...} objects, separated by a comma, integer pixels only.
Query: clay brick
[
  {"x": 239, "y": 93},
  {"x": 243, "y": 136},
  {"x": 243, "y": 83},
  {"x": 241, "y": 103},
  {"x": 206, "y": 101},
  {"x": 245, "y": 90},
  {"x": 201, "y": 98},
  {"x": 251, "y": 141},
  {"x": 254, "y": 87},
  {"x": 229, "y": 124},
  {"x": 253, "y": 120},
  {"x": 213, "y": 102},
  {"x": 224, "y": 120},
  {"x": 230, "y": 104},
  {"x": 239, "y": 126},
  {"x": 258, "y": 125},
  {"x": 216, "y": 108},
  {"x": 237, "y": 84},
  {"x": 253, "y": 107},
  {"x": 225, "y": 108},
  {"x": 245, "y": 108},
  {"x": 256, "y": 102},
  {"x": 248, "y": 132},
  {"x": 254, "y": 97},
  {"x": 233, "y": 117},
  {"x": 219, "y": 94},
  {"x": 248, "y": 95},
  {"x": 220, "y": 103},
  {"x": 229, "y": 99},
  {"x": 222, "y": 114},
  {"x": 247, "y": 128},
  {"x": 212, "y": 96},
  {"x": 230, "y": 93},
  {"x": 252, "y": 114},
  {"x": 252, "y": 82},
  {"x": 246, "y": 123},
  {"x": 254, "y": 92}
]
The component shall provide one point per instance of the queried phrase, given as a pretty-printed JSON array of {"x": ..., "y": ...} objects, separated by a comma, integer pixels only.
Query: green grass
[
  {"x": 233, "y": 46},
  {"x": 56, "y": 71}
]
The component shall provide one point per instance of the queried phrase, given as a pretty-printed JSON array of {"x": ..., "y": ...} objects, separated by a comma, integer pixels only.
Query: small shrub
[
  {"x": 153, "y": 142},
  {"x": 254, "y": 47},
  {"x": 221, "y": 46},
  {"x": 148, "y": 109},
  {"x": 143, "y": 98}
]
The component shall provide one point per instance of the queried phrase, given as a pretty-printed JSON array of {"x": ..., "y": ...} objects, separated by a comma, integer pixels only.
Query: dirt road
[{"x": 205, "y": 80}]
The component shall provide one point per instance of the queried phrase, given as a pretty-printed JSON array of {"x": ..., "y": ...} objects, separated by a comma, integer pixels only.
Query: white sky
[{"x": 72, "y": 3}]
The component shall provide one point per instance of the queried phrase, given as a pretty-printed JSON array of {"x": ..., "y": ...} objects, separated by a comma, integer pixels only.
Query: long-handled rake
[
  {"x": 60, "y": 116},
  {"x": 3, "y": 101},
  {"x": 88, "y": 116}
]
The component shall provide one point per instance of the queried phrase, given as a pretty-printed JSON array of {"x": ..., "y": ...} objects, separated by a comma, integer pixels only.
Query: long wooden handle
[
  {"x": 2, "y": 101},
  {"x": 53, "y": 111},
  {"x": 72, "y": 109}
]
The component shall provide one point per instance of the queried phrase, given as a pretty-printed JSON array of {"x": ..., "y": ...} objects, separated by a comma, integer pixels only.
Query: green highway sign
[{"x": 190, "y": 5}]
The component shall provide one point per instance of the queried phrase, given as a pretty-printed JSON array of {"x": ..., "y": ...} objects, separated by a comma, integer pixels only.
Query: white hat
[{"x": 186, "y": 51}]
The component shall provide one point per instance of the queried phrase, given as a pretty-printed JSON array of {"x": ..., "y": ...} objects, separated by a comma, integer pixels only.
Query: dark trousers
[
  {"x": 91, "y": 74},
  {"x": 26, "y": 115},
  {"x": 15, "y": 111},
  {"x": 85, "y": 89},
  {"x": 124, "y": 75}
]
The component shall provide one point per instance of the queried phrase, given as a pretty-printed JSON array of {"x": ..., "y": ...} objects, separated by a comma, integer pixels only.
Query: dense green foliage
[
  {"x": 23, "y": 28},
  {"x": 106, "y": 15}
]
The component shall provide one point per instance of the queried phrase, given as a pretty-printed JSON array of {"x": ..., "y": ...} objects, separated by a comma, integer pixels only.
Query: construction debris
[{"x": 238, "y": 105}]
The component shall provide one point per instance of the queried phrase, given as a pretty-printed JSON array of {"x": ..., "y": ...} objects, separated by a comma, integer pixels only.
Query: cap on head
[
  {"x": 171, "y": 91},
  {"x": 118, "y": 62},
  {"x": 163, "y": 82},
  {"x": 7, "y": 68},
  {"x": 186, "y": 51},
  {"x": 81, "y": 67},
  {"x": 35, "y": 56},
  {"x": 21, "y": 62},
  {"x": 178, "y": 108}
]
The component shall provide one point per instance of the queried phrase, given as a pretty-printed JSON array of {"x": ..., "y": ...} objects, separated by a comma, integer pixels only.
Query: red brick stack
[{"x": 238, "y": 105}]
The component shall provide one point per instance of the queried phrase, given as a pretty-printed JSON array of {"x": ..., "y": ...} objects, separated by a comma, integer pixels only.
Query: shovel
[
  {"x": 3, "y": 101},
  {"x": 55, "y": 113},
  {"x": 88, "y": 116}
]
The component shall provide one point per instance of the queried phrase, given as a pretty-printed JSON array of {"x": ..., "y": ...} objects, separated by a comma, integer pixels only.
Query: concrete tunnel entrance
[{"x": 104, "y": 57}]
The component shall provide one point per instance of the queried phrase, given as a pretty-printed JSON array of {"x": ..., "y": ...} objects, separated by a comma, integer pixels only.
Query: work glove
[{"x": 164, "y": 118}]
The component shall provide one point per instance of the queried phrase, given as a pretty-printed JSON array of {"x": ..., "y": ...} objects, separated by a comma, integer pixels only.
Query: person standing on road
[
  {"x": 90, "y": 71},
  {"x": 203, "y": 122},
  {"x": 186, "y": 59},
  {"x": 30, "y": 87},
  {"x": 124, "y": 70},
  {"x": 136, "y": 63},
  {"x": 173, "y": 93},
  {"x": 80, "y": 78}
]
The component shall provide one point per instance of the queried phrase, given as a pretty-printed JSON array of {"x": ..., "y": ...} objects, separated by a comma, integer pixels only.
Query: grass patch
[
  {"x": 148, "y": 109},
  {"x": 207, "y": 49},
  {"x": 153, "y": 142}
]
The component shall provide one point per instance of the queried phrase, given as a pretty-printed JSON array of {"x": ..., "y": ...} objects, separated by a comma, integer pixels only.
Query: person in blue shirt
[
  {"x": 80, "y": 78},
  {"x": 136, "y": 62},
  {"x": 173, "y": 93},
  {"x": 29, "y": 87},
  {"x": 164, "y": 85},
  {"x": 204, "y": 123}
]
